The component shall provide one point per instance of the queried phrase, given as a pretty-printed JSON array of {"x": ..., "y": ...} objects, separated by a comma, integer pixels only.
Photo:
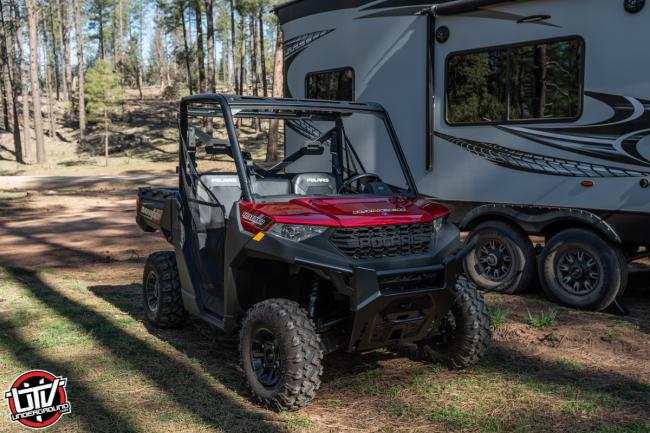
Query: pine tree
[
  {"x": 103, "y": 94},
  {"x": 33, "y": 74}
]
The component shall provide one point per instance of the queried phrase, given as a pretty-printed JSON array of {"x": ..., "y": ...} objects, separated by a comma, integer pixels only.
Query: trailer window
[
  {"x": 539, "y": 81},
  {"x": 333, "y": 85}
]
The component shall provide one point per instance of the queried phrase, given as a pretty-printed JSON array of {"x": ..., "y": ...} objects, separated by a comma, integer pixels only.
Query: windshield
[{"x": 314, "y": 152}]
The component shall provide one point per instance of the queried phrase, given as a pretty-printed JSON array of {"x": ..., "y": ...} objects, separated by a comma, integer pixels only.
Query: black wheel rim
[
  {"x": 266, "y": 358},
  {"x": 151, "y": 291},
  {"x": 578, "y": 271},
  {"x": 494, "y": 259}
]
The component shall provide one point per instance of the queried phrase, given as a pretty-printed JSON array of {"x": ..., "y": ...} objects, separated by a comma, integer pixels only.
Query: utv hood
[{"x": 353, "y": 212}]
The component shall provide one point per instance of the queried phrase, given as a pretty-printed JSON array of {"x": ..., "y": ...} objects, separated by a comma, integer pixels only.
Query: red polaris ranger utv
[{"x": 330, "y": 249}]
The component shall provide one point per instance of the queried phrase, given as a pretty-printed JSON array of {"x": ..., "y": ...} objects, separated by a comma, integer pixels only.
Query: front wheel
[
  {"x": 463, "y": 337},
  {"x": 281, "y": 354}
]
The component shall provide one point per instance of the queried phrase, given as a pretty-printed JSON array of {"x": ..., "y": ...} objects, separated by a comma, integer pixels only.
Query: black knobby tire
[
  {"x": 510, "y": 252},
  {"x": 298, "y": 350},
  {"x": 161, "y": 281},
  {"x": 464, "y": 336},
  {"x": 565, "y": 273}
]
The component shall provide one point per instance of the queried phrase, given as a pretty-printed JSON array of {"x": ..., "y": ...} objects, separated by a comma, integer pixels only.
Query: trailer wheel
[
  {"x": 463, "y": 337},
  {"x": 503, "y": 260},
  {"x": 281, "y": 354},
  {"x": 161, "y": 291},
  {"x": 580, "y": 269}
]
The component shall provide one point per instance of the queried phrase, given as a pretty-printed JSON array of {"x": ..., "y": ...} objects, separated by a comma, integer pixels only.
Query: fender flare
[{"x": 535, "y": 219}]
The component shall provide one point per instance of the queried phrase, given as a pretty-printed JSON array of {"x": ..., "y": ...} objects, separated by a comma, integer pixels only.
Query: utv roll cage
[{"x": 222, "y": 106}]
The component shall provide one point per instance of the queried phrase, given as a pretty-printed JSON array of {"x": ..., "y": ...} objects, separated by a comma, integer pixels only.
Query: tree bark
[
  {"x": 106, "y": 138},
  {"x": 181, "y": 17},
  {"x": 24, "y": 91},
  {"x": 242, "y": 60},
  {"x": 212, "y": 85},
  {"x": 254, "y": 75},
  {"x": 200, "y": 53},
  {"x": 64, "y": 35},
  {"x": 265, "y": 84},
  {"x": 33, "y": 75},
  {"x": 102, "y": 50},
  {"x": 80, "y": 67},
  {"x": 48, "y": 77},
  {"x": 55, "y": 54},
  {"x": 4, "y": 90},
  {"x": 233, "y": 38},
  {"x": 278, "y": 89},
  {"x": 12, "y": 72}
]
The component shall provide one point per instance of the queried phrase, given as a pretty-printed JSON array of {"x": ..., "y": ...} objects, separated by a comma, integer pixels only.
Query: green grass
[
  {"x": 498, "y": 316},
  {"x": 544, "y": 319}
]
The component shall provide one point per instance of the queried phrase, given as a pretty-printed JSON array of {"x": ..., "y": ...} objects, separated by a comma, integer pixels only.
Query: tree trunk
[
  {"x": 200, "y": 53},
  {"x": 242, "y": 60},
  {"x": 33, "y": 75},
  {"x": 233, "y": 38},
  {"x": 212, "y": 85},
  {"x": 106, "y": 138},
  {"x": 254, "y": 75},
  {"x": 48, "y": 77},
  {"x": 140, "y": 59},
  {"x": 278, "y": 89},
  {"x": 265, "y": 84},
  {"x": 80, "y": 67},
  {"x": 64, "y": 35},
  {"x": 4, "y": 89},
  {"x": 12, "y": 72},
  {"x": 55, "y": 55},
  {"x": 187, "y": 50},
  {"x": 24, "y": 92},
  {"x": 102, "y": 50},
  {"x": 120, "y": 36}
]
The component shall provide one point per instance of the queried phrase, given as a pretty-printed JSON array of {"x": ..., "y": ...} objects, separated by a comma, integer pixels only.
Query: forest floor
[{"x": 70, "y": 283}]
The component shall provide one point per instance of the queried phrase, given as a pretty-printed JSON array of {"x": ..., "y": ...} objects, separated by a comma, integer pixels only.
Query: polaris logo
[
  {"x": 258, "y": 221},
  {"x": 225, "y": 180},
  {"x": 152, "y": 214},
  {"x": 405, "y": 240},
  {"x": 367, "y": 211},
  {"x": 318, "y": 180}
]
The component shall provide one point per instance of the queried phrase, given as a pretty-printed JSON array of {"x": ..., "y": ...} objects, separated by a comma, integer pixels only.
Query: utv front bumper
[{"x": 400, "y": 305}]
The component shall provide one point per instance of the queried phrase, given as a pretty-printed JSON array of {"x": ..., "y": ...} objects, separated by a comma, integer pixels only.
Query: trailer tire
[
  {"x": 580, "y": 269},
  {"x": 463, "y": 338},
  {"x": 503, "y": 246},
  {"x": 161, "y": 291},
  {"x": 280, "y": 340}
]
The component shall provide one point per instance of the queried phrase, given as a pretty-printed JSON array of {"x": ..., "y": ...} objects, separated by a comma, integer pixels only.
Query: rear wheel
[
  {"x": 281, "y": 354},
  {"x": 503, "y": 260},
  {"x": 161, "y": 291},
  {"x": 580, "y": 269},
  {"x": 462, "y": 338}
]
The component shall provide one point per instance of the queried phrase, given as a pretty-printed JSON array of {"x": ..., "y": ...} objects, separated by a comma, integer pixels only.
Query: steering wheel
[{"x": 347, "y": 183}]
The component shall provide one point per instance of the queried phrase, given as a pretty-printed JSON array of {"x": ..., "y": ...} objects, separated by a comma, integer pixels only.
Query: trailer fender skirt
[{"x": 535, "y": 219}]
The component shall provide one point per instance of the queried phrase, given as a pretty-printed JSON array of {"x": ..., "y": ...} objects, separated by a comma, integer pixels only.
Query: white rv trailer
[{"x": 527, "y": 117}]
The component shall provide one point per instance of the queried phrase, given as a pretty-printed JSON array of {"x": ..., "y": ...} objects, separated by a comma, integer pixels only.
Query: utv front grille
[{"x": 383, "y": 241}]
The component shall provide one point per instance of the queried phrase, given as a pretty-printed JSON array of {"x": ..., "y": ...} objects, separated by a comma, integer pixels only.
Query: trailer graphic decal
[
  {"x": 535, "y": 163},
  {"x": 615, "y": 139},
  {"x": 295, "y": 46}
]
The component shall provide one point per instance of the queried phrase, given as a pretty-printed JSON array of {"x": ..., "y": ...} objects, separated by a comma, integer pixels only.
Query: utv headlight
[
  {"x": 438, "y": 223},
  {"x": 296, "y": 232}
]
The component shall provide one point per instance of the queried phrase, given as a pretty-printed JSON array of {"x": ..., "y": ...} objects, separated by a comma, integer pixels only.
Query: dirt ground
[{"x": 72, "y": 262}]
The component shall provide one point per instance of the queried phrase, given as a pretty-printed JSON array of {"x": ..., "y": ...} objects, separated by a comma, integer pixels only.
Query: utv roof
[
  {"x": 253, "y": 102},
  {"x": 295, "y": 9}
]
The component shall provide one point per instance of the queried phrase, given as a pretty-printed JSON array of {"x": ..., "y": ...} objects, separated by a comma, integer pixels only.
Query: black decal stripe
[
  {"x": 535, "y": 163},
  {"x": 399, "y": 12},
  {"x": 302, "y": 8}
]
